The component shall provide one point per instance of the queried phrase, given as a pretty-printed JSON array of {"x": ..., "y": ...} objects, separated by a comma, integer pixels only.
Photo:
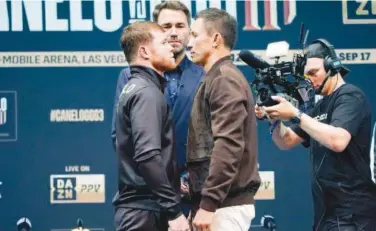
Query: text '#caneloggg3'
[{"x": 77, "y": 115}]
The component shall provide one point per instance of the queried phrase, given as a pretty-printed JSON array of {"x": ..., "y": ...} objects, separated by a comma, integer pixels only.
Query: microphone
[
  {"x": 318, "y": 91},
  {"x": 253, "y": 61},
  {"x": 23, "y": 224},
  {"x": 268, "y": 222},
  {"x": 80, "y": 223},
  {"x": 80, "y": 226}
]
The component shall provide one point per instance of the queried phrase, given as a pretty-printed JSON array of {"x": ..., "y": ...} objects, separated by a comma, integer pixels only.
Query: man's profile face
[
  {"x": 175, "y": 24},
  {"x": 162, "y": 57},
  {"x": 200, "y": 43},
  {"x": 314, "y": 70}
]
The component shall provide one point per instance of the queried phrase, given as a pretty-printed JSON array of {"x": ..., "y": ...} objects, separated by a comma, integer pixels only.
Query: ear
[
  {"x": 216, "y": 40},
  {"x": 144, "y": 52}
]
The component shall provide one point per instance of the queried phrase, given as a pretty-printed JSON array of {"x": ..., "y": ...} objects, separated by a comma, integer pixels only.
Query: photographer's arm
[
  {"x": 285, "y": 138},
  {"x": 348, "y": 115},
  {"x": 335, "y": 135},
  {"x": 334, "y": 138}
]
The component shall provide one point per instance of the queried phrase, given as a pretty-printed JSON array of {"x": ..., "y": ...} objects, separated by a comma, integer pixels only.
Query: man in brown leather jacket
[{"x": 222, "y": 136}]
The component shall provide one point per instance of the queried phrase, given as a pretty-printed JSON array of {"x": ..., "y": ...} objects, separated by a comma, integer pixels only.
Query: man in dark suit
[{"x": 174, "y": 17}]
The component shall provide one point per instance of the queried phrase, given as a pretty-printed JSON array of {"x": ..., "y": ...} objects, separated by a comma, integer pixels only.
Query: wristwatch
[{"x": 296, "y": 119}]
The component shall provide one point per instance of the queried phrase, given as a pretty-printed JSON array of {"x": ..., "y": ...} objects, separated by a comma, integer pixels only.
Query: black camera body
[{"x": 285, "y": 79}]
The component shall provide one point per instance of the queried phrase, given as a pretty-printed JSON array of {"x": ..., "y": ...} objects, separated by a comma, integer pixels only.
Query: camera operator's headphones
[{"x": 331, "y": 62}]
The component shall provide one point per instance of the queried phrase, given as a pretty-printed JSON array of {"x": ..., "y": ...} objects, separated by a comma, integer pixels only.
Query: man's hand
[
  {"x": 284, "y": 110},
  {"x": 260, "y": 111},
  {"x": 179, "y": 224},
  {"x": 203, "y": 220},
  {"x": 184, "y": 188}
]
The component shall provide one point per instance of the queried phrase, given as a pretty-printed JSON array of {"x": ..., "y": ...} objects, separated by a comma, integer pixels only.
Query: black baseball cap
[{"x": 318, "y": 50}]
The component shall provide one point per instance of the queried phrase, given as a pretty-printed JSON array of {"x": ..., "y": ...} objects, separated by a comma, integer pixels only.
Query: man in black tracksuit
[{"x": 149, "y": 185}]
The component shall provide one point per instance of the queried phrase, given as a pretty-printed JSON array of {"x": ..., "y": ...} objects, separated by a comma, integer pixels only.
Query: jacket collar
[
  {"x": 149, "y": 73},
  {"x": 219, "y": 62}
]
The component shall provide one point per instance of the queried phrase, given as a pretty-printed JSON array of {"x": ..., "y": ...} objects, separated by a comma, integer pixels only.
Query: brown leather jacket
[{"x": 222, "y": 140}]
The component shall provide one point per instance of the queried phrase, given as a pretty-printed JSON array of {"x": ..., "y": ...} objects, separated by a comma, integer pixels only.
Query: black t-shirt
[{"x": 341, "y": 182}]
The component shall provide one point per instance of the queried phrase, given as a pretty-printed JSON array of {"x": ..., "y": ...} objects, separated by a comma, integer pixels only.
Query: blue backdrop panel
[{"x": 57, "y": 163}]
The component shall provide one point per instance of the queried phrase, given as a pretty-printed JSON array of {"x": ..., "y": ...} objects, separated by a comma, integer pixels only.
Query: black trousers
[
  {"x": 128, "y": 219},
  {"x": 350, "y": 223}
]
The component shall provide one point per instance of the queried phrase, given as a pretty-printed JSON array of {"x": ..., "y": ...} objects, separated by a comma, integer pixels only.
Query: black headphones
[{"x": 331, "y": 62}]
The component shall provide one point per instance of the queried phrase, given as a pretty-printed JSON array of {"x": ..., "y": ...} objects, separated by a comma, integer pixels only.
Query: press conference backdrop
[{"x": 59, "y": 63}]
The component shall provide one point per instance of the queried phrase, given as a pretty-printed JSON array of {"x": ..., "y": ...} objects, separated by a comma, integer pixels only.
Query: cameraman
[{"x": 338, "y": 131}]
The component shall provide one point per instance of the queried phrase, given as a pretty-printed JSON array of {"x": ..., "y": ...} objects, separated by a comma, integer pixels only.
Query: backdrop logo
[
  {"x": 8, "y": 116},
  {"x": 359, "y": 12},
  {"x": 109, "y": 16},
  {"x": 76, "y": 115},
  {"x": 270, "y": 14},
  {"x": 80, "y": 188},
  {"x": 138, "y": 11},
  {"x": 267, "y": 189}
]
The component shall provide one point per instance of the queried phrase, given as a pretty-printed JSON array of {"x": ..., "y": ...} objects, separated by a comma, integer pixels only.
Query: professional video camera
[{"x": 285, "y": 79}]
